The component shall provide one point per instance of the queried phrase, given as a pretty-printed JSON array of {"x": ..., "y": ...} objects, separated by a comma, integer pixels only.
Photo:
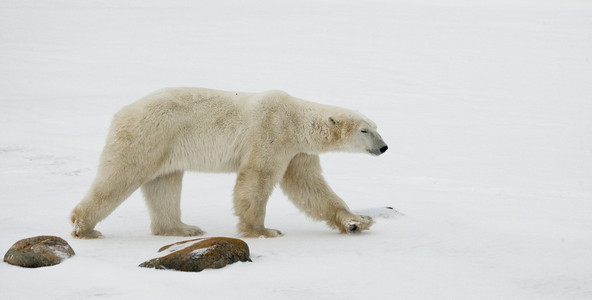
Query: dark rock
[
  {"x": 39, "y": 251},
  {"x": 198, "y": 254}
]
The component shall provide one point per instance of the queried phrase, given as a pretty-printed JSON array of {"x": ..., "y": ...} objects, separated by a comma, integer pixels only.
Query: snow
[
  {"x": 176, "y": 247},
  {"x": 60, "y": 251},
  {"x": 200, "y": 252},
  {"x": 486, "y": 108}
]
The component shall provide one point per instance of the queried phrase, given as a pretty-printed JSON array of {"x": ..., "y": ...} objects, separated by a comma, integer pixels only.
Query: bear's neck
[{"x": 318, "y": 136}]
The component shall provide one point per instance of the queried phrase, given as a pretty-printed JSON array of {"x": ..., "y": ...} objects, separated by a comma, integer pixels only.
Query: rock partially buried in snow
[
  {"x": 199, "y": 254},
  {"x": 39, "y": 251}
]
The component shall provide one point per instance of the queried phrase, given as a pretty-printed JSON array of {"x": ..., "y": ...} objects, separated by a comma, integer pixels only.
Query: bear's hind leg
[
  {"x": 163, "y": 197},
  {"x": 104, "y": 196}
]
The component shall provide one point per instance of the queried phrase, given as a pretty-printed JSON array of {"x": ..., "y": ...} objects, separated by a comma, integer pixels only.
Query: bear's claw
[
  {"x": 357, "y": 223},
  {"x": 353, "y": 227}
]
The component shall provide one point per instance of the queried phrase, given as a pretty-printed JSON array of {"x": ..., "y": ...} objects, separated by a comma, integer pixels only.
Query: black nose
[{"x": 383, "y": 149}]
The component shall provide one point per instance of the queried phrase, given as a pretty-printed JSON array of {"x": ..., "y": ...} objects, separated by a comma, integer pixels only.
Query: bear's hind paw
[{"x": 91, "y": 234}]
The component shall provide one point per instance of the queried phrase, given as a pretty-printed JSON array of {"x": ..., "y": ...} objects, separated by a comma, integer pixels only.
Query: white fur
[{"x": 267, "y": 138}]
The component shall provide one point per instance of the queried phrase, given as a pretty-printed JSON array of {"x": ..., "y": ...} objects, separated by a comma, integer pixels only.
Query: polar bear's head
[{"x": 353, "y": 132}]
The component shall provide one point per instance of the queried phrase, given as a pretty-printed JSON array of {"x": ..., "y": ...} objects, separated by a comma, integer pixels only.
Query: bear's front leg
[
  {"x": 251, "y": 192},
  {"x": 305, "y": 186},
  {"x": 163, "y": 197}
]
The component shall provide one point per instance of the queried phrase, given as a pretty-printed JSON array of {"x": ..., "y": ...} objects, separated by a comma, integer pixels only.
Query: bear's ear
[{"x": 333, "y": 121}]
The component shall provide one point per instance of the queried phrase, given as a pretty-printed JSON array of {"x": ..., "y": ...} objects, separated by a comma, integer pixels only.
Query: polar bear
[{"x": 267, "y": 138}]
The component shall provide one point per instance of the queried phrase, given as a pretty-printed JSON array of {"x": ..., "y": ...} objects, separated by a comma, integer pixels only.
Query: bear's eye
[{"x": 364, "y": 131}]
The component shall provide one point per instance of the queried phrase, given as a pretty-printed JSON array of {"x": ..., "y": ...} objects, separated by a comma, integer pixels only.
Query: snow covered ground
[{"x": 486, "y": 107}]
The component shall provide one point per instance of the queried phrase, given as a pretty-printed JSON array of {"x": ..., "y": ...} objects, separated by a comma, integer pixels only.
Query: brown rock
[
  {"x": 198, "y": 254},
  {"x": 39, "y": 251}
]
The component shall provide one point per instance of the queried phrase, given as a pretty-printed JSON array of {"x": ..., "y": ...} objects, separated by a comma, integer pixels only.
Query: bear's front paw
[
  {"x": 356, "y": 223},
  {"x": 265, "y": 232},
  {"x": 189, "y": 230},
  {"x": 177, "y": 230}
]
